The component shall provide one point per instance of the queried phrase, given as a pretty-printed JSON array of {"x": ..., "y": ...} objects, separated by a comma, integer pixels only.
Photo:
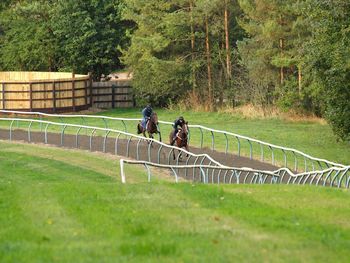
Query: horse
[
  {"x": 181, "y": 138},
  {"x": 151, "y": 127}
]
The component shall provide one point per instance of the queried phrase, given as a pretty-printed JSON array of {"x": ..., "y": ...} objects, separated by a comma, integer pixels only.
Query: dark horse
[
  {"x": 151, "y": 127},
  {"x": 181, "y": 138}
]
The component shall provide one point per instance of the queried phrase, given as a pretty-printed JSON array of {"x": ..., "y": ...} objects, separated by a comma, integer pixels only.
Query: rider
[
  {"x": 146, "y": 113},
  {"x": 178, "y": 122}
]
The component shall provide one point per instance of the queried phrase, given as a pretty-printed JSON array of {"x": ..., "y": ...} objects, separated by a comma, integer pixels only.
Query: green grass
[
  {"x": 69, "y": 206},
  {"x": 311, "y": 138}
]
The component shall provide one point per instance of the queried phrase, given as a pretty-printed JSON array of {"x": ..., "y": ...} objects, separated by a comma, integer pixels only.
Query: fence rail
[
  {"x": 287, "y": 157},
  {"x": 198, "y": 167},
  {"x": 332, "y": 177},
  {"x": 132, "y": 141}
]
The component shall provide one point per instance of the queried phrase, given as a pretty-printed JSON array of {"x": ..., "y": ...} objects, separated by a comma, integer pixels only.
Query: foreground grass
[{"x": 69, "y": 206}]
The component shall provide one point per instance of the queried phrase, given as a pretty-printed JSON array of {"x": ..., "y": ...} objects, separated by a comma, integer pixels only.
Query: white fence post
[{"x": 122, "y": 174}]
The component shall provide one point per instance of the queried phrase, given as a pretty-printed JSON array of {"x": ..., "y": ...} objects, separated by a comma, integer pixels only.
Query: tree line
[{"x": 294, "y": 54}]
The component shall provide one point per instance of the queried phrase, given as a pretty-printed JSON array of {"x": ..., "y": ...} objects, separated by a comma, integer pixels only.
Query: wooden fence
[
  {"x": 112, "y": 94},
  {"x": 61, "y": 92},
  {"x": 44, "y": 91}
]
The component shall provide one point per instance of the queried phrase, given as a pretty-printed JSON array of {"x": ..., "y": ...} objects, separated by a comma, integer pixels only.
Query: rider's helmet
[{"x": 181, "y": 120}]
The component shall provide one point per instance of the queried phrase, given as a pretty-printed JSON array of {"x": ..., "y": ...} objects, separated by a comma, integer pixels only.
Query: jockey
[
  {"x": 146, "y": 113},
  {"x": 178, "y": 122}
]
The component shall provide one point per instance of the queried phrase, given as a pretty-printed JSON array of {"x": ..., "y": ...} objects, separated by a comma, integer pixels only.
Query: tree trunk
[
  {"x": 299, "y": 79},
  {"x": 282, "y": 68},
  {"x": 194, "y": 82},
  {"x": 207, "y": 45},
  {"x": 228, "y": 59}
]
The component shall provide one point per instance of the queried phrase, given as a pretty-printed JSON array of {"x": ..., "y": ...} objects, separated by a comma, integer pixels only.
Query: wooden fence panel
[
  {"x": 57, "y": 92},
  {"x": 113, "y": 94},
  {"x": 44, "y": 91}
]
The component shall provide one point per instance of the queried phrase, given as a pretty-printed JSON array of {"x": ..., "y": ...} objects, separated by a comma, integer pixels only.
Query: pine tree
[
  {"x": 270, "y": 53},
  {"x": 181, "y": 46}
]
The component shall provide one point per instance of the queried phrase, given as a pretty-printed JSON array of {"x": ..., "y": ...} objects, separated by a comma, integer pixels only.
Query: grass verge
[{"x": 69, "y": 206}]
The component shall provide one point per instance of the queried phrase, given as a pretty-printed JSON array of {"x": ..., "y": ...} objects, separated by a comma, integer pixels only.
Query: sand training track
[{"x": 164, "y": 155}]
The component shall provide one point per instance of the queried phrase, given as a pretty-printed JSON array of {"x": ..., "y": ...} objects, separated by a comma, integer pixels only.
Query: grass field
[
  {"x": 60, "y": 205},
  {"x": 310, "y": 137}
]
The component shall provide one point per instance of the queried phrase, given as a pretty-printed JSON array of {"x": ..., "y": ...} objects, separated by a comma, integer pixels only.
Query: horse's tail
[{"x": 139, "y": 128}]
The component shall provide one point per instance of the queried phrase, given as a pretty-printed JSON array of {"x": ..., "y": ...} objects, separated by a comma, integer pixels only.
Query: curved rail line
[
  {"x": 107, "y": 132},
  {"x": 334, "y": 177},
  {"x": 275, "y": 150},
  {"x": 209, "y": 172}
]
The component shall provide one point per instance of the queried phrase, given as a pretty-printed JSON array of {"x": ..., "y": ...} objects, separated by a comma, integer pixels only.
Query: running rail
[
  {"x": 202, "y": 158},
  {"x": 211, "y": 172},
  {"x": 274, "y": 151},
  {"x": 332, "y": 177}
]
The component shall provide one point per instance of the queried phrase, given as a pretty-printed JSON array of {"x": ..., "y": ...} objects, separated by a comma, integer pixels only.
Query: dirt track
[{"x": 164, "y": 154}]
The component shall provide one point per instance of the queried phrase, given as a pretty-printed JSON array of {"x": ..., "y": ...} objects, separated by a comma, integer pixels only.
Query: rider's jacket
[
  {"x": 147, "y": 112},
  {"x": 178, "y": 122}
]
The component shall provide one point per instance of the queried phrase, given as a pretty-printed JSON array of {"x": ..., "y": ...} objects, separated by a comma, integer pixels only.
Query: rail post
[
  {"x": 76, "y": 138},
  {"x": 91, "y": 135},
  {"x": 122, "y": 174},
  {"x": 62, "y": 134},
  {"x": 29, "y": 135},
  {"x": 11, "y": 129}
]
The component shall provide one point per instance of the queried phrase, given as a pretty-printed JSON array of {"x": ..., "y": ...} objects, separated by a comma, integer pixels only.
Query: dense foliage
[
  {"x": 290, "y": 54},
  {"x": 178, "y": 48},
  {"x": 62, "y": 35},
  {"x": 328, "y": 57}
]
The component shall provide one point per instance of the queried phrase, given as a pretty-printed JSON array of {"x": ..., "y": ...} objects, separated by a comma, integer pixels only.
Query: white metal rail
[
  {"x": 158, "y": 151},
  {"x": 203, "y": 167},
  {"x": 332, "y": 177},
  {"x": 298, "y": 157}
]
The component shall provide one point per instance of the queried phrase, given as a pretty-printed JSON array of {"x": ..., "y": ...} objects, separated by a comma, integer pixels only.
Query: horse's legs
[
  {"x": 173, "y": 150},
  {"x": 150, "y": 135},
  {"x": 187, "y": 149},
  {"x": 180, "y": 155},
  {"x": 171, "y": 138},
  {"x": 160, "y": 136}
]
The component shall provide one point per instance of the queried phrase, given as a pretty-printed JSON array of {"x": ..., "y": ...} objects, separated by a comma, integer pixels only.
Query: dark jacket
[
  {"x": 178, "y": 122},
  {"x": 147, "y": 112}
]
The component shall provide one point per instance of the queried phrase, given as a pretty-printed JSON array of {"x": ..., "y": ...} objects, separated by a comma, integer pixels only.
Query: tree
[
  {"x": 79, "y": 36},
  {"x": 328, "y": 53},
  {"x": 89, "y": 33},
  {"x": 159, "y": 53},
  {"x": 27, "y": 42},
  {"x": 178, "y": 47},
  {"x": 270, "y": 54}
]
